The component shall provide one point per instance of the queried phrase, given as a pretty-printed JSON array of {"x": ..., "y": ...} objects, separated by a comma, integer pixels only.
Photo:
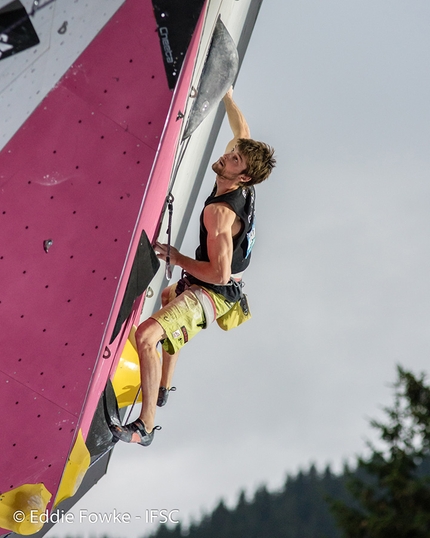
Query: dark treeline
[
  {"x": 299, "y": 510},
  {"x": 386, "y": 496},
  {"x": 302, "y": 509}
]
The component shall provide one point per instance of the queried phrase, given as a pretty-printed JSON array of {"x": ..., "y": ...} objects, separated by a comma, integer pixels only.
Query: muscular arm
[
  {"x": 236, "y": 120},
  {"x": 218, "y": 220}
]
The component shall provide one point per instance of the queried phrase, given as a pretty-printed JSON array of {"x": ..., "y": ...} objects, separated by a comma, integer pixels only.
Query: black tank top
[{"x": 242, "y": 202}]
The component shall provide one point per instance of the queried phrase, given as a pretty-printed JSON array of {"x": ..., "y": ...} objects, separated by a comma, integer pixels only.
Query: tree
[{"x": 391, "y": 491}]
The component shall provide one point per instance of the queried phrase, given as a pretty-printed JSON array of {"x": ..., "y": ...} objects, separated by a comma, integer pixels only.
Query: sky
[{"x": 338, "y": 287}]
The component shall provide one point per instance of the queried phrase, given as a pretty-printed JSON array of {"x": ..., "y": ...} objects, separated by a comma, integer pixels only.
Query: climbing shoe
[
  {"x": 163, "y": 394},
  {"x": 125, "y": 433}
]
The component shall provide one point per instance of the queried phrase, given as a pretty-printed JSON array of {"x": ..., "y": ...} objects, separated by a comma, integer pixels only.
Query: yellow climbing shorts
[{"x": 183, "y": 317}]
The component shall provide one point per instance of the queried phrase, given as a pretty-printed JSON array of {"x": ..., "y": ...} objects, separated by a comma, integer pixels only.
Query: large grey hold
[{"x": 220, "y": 70}]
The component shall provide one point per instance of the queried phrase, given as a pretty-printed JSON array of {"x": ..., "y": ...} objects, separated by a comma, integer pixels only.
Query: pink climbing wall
[{"x": 76, "y": 174}]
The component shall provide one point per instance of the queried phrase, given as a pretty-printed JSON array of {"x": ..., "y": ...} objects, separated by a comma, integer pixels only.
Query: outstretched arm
[{"x": 236, "y": 120}]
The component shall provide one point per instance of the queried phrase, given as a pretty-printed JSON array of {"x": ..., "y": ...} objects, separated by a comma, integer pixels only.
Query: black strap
[{"x": 169, "y": 201}]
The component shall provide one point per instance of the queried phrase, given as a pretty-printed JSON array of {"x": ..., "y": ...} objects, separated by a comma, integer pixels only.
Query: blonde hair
[{"x": 260, "y": 159}]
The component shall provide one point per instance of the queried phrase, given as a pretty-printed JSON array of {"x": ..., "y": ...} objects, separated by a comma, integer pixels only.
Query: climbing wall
[{"x": 78, "y": 183}]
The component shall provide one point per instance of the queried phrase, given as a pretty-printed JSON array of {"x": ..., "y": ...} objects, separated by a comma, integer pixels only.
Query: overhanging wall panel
[
  {"x": 83, "y": 192},
  {"x": 75, "y": 174}
]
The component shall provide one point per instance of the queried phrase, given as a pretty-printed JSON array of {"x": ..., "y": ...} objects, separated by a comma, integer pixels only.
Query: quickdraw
[{"x": 170, "y": 199}]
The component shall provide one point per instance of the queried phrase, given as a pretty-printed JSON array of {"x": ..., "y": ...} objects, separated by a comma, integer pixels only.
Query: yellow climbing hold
[
  {"x": 126, "y": 381},
  {"x": 23, "y": 509},
  {"x": 74, "y": 471}
]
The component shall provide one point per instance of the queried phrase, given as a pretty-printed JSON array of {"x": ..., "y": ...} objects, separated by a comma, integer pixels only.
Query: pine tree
[{"x": 391, "y": 490}]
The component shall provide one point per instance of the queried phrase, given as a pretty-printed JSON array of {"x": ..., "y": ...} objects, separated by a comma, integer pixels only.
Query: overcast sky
[{"x": 339, "y": 284}]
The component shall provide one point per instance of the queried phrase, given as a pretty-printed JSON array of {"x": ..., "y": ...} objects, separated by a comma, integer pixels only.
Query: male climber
[{"x": 211, "y": 283}]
